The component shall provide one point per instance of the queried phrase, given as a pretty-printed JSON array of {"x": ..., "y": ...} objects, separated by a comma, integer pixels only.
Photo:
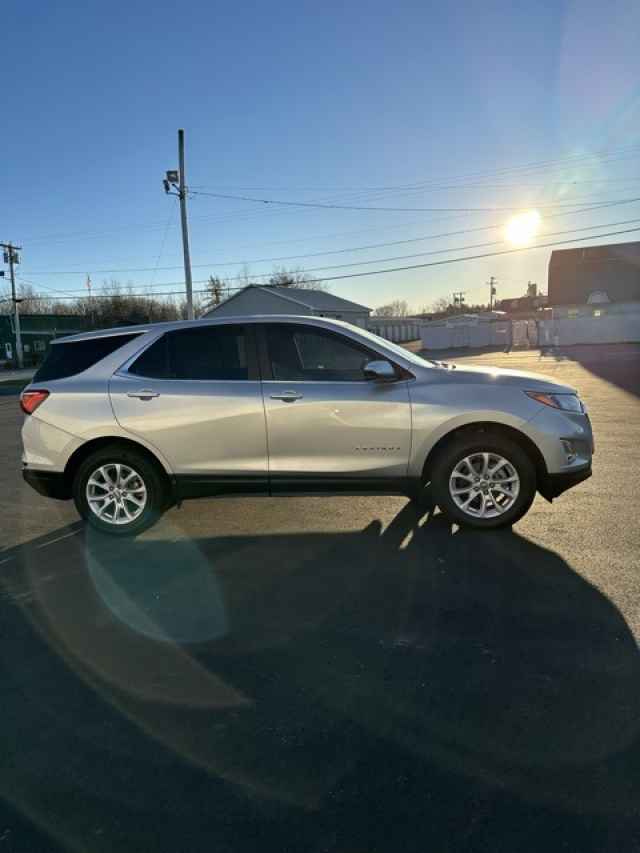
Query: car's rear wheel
[
  {"x": 484, "y": 481},
  {"x": 119, "y": 491}
]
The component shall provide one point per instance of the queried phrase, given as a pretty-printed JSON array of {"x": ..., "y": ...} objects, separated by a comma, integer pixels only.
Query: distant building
[
  {"x": 273, "y": 299},
  {"x": 595, "y": 280},
  {"x": 523, "y": 304},
  {"x": 37, "y": 330}
]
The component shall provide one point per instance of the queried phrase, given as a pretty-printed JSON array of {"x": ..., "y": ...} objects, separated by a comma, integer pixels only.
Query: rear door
[
  {"x": 326, "y": 422},
  {"x": 195, "y": 395}
]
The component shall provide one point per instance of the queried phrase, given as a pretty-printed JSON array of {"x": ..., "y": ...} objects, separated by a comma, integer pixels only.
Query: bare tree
[
  {"x": 31, "y": 302},
  {"x": 244, "y": 276},
  {"x": 282, "y": 277},
  {"x": 115, "y": 305},
  {"x": 439, "y": 306},
  {"x": 443, "y": 308},
  {"x": 215, "y": 288},
  {"x": 397, "y": 308}
]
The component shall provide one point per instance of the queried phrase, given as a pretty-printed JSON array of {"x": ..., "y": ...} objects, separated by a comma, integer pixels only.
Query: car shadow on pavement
[
  {"x": 414, "y": 687},
  {"x": 616, "y": 364},
  {"x": 624, "y": 373}
]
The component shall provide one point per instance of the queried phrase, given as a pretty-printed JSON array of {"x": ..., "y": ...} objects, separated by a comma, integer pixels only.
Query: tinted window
[
  {"x": 74, "y": 357},
  {"x": 306, "y": 354},
  {"x": 209, "y": 352},
  {"x": 154, "y": 361}
]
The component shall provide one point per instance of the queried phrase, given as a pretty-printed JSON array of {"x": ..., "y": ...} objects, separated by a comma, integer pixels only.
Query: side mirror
[{"x": 380, "y": 371}]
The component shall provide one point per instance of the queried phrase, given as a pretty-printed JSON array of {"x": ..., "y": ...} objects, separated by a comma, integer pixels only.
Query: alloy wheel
[
  {"x": 484, "y": 485},
  {"x": 116, "y": 493}
]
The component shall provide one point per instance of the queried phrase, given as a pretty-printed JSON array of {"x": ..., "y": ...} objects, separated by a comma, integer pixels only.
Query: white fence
[
  {"x": 606, "y": 329},
  {"x": 524, "y": 333},
  {"x": 564, "y": 331},
  {"x": 397, "y": 329},
  {"x": 462, "y": 335}
]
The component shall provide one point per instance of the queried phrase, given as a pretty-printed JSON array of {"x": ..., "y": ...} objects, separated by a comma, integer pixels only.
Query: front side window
[
  {"x": 206, "y": 353},
  {"x": 307, "y": 354}
]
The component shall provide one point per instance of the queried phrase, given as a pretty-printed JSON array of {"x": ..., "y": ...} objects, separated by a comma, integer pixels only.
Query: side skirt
[{"x": 188, "y": 486}]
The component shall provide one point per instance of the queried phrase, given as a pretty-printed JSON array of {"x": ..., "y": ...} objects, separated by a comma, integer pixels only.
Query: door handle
[
  {"x": 144, "y": 394},
  {"x": 287, "y": 396}
]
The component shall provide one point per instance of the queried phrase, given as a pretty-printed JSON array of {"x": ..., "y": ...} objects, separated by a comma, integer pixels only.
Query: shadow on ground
[
  {"x": 618, "y": 364},
  {"x": 623, "y": 371},
  {"x": 413, "y": 688}
]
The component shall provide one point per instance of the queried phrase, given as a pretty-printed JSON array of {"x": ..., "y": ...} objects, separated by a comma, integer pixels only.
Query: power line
[
  {"x": 420, "y": 187},
  {"x": 398, "y": 257},
  {"x": 435, "y": 187},
  {"x": 162, "y": 243},
  {"x": 440, "y": 251},
  {"x": 443, "y": 262},
  {"x": 329, "y": 206},
  {"x": 484, "y": 255},
  {"x": 610, "y": 156},
  {"x": 43, "y": 286},
  {"x": 602, "y": 156},
  {"x": 349, "y": 249}
]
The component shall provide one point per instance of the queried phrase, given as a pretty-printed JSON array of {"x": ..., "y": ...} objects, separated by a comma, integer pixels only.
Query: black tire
[
  {"x": 148, "y": 472},
  {"x": 481, "y": 442}
]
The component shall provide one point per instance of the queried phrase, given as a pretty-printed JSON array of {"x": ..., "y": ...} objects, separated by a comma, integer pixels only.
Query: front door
[
  {"x": 195, "y": 395},
  {"x": 325, "y": 421}
]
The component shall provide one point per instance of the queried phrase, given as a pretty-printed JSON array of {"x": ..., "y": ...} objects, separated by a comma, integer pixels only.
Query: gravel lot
[{"x": 341, "y": 675}]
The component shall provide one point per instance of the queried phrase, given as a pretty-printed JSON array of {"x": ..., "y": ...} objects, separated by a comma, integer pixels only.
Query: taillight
[{"x": 30, "y": 400}]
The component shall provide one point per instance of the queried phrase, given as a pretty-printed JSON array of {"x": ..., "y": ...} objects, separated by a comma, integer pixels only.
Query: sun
[{"x": 523, "y": 228}]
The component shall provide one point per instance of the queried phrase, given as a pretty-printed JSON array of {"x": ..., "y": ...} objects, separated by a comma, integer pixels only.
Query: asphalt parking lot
[{"x": 347, "y": 675}]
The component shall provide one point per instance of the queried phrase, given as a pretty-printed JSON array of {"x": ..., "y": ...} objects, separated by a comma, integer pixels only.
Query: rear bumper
[
  {"x": 554, "y": 485},
  {"x": 51, "y": 484}
]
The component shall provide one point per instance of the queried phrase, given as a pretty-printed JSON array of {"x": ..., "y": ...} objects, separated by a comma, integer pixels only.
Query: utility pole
[
  {"x": 11, "y": 257},
  {"x": 492, "y": 291},
  {"x": 458, "y": 299},
  {"x": 177, "y": 179},
  {"x": 185, "y": 228}
]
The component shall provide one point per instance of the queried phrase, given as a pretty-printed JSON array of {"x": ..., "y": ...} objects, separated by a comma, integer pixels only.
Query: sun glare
[{"x": 523, "y": 228}]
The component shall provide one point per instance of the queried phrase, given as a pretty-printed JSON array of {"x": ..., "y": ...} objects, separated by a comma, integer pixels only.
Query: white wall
[
  {"x": 397, "y": 329},
  {"x": 607, "y": 329},
  {"x": 563, "y": 331},
  {"x": 461, "y": 335}
]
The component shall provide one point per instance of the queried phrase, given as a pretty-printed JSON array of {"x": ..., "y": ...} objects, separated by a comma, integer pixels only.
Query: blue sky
[{"x": 312, "y": 102}]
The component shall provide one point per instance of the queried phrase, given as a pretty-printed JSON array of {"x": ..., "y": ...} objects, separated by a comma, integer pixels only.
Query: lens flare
[{"x": 523, "y": 228}]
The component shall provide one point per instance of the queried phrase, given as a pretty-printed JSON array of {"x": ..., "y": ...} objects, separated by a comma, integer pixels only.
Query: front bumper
[
  {"x": 554, "y": 485},
  {"x": 51, "y": 484}
]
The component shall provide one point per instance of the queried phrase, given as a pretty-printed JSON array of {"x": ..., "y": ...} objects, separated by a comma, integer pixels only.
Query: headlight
[{"x": 567, "y": 402}]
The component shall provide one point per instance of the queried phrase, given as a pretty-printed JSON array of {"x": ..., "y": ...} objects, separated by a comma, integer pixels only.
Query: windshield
[{"x": 404, "y": 352}]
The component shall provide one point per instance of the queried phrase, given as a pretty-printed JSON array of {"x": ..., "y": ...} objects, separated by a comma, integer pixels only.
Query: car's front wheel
[
  {"x": 119, "y": 491},
  {"x": 484, "y": 481}
]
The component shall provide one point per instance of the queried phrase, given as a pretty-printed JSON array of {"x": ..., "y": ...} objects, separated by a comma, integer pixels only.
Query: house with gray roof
[{"x": 275, "y": 299}]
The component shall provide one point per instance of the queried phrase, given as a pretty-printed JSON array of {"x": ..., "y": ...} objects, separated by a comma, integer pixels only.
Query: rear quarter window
[{"x": 67, "y": 359}]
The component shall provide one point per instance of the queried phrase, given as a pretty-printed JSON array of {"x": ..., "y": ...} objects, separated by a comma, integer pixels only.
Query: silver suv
[{"x": 130, "y": 421}]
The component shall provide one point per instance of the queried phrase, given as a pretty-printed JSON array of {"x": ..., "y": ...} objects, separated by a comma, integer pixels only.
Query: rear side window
[
  {"x": 206, "y": 353},
  {"x": 67, "y": 359}
]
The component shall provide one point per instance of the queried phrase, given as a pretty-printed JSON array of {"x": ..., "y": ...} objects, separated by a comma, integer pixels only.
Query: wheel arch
[
  {"x": 89, "y": 447},
  {"x": 495, "y": 428}
]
